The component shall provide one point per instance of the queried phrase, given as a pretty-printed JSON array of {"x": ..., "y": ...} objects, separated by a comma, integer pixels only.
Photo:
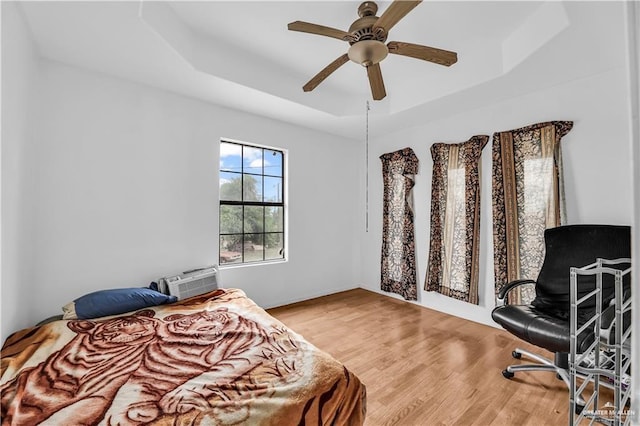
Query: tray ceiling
[{"x": 240, "y": 55}]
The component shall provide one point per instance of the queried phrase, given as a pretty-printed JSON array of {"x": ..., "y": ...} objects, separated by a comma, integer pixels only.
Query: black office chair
[{"x": 545, "y": 322}]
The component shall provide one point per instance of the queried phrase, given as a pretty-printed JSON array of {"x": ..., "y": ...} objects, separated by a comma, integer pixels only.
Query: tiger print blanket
[{"x": 215, "y": 359}]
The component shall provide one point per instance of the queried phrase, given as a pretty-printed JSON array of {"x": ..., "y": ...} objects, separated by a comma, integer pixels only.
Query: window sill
[{"x": 252, "y": 264}]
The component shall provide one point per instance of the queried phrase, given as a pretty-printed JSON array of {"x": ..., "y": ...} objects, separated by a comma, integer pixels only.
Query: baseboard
[
  {"x": 314, "y": 295},
  {"x": 475, "y": 313}
]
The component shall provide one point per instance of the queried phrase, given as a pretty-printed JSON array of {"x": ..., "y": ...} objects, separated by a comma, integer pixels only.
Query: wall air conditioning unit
[{"x": 193, "y": 283}]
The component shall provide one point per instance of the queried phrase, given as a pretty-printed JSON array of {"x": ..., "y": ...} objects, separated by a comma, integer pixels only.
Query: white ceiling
[{"x": 239, "y": 54}]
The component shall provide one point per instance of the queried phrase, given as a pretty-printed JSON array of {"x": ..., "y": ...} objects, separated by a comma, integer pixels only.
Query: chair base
[{"x": 559, "y": 365}]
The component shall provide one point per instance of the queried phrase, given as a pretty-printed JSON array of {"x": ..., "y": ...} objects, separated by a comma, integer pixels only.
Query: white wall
[
  {"x": 127, "y": 192},
  {"x": 632, "y": 12},
  {"x": 596, "y": 156},
  {"x": 19, "y": 77}
]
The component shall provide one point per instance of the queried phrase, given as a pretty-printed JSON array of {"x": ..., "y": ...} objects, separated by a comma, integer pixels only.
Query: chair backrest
[{"x": 578, "y": 246}]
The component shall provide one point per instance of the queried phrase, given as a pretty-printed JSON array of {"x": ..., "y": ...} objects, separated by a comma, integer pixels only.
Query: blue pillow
[{"x": 118, "y": 301}]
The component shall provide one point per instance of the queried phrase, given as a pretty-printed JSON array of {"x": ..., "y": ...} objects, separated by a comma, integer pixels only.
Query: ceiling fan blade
[
  {"x": 376, "y": 82},
  {"x": 394, "y": 13},
  {"x": 326, "y": 71},
  {"x": 426, "y": 53},
  {"x": 306, "y": 27}
]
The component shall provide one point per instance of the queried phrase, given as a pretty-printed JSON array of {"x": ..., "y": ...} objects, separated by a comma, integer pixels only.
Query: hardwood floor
[{"x": 423, "y": 367}]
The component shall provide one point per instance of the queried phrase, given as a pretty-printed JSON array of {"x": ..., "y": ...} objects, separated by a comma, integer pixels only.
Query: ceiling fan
[{"x": 367, "y": 36}]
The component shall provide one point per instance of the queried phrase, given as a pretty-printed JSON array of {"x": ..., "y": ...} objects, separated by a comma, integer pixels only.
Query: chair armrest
[
  {"x": 608, "y": 320},
  {"x": 508, "y": 287}
]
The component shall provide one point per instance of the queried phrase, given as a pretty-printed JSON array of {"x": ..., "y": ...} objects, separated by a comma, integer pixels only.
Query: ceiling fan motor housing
[{"x": 361, "y": 30}]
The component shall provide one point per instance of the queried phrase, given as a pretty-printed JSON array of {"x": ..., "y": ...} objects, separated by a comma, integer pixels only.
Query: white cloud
[
  {"x": 227, "y": 149},
  {"x": 252, "y": 153},
  {"x": 252, "y": 156}
]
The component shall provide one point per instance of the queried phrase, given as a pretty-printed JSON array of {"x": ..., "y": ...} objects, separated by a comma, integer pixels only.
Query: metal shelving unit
[{"x": 607, "y": 361}]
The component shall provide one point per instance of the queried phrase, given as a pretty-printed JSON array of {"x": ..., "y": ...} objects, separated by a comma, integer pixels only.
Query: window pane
[
  {"x": 253, "y": 247},
  {"x": 230, "y": 249},
  {"x": 252, "y": 188},
  {"x": 273, "y": 246},
  {"x": 231, "y": 157},
  {"x": 273, "y": 189},
  {"x": 273, "y": 219},
  {"x": 272, "y": 163},
  {"x": 253, "y": 219},
  {"x": 230, "y": 219},
  {"x": 230, "y": 184},
  {"x": 252, "y": 160}
]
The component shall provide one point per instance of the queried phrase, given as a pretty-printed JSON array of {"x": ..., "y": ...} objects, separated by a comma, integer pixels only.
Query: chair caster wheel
[
  {"x": 579, "y": 409},
  {"x": 507, "y": 374},
  {"x": 516, "y": 355}
]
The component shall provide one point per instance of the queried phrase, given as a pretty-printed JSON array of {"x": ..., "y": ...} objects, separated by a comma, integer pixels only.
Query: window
[
  {"x": 455, "y": 219},
  {"x": 528, "y": 197},
  {"x": 252, "y": 205}
]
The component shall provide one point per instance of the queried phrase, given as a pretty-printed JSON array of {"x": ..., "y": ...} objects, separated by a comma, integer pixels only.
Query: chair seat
[{"x": 539, "y": 328}]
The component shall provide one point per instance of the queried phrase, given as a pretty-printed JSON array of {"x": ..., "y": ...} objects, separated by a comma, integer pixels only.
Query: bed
[{"x": 214, "y": 359}]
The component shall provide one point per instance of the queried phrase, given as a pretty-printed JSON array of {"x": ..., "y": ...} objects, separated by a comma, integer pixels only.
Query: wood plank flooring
[{"x": 423, "y": 367}]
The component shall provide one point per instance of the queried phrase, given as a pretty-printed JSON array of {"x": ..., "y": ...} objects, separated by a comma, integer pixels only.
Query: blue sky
[{"x": 253, "y": 160}]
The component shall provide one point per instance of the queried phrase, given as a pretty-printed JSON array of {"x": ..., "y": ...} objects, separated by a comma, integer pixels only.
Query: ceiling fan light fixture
[{"x": 368, "y": 52}]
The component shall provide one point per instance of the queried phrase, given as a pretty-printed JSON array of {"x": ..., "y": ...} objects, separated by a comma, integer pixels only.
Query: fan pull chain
[{"x": 367, "y": 169}]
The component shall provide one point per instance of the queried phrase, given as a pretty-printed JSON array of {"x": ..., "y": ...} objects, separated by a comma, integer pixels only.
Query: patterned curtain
[
  {"x": 455, "y": 219},
  {"x": 528, "y": 197},
  {"x": 398, "y": 248}
]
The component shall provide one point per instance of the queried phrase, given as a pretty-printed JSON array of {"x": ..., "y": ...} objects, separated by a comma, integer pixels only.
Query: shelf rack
[{"x": 607, "y": 361}]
